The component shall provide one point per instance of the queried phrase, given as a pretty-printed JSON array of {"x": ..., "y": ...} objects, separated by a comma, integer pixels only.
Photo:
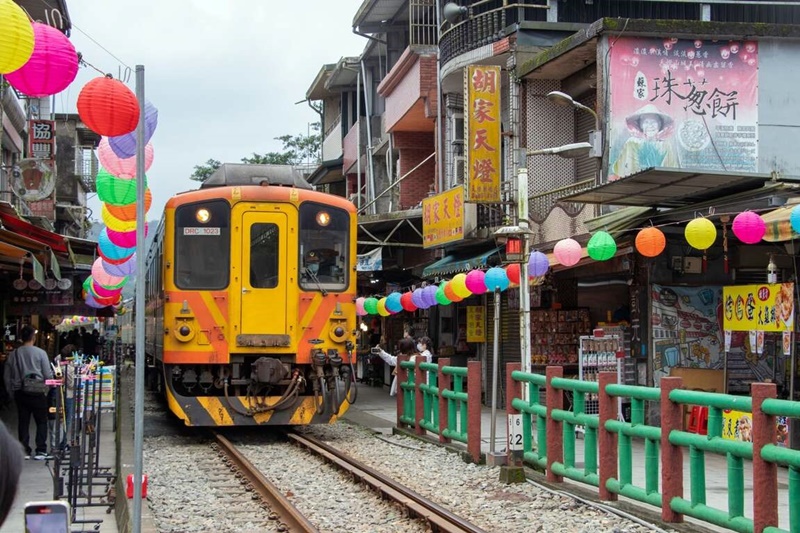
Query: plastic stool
[{"x": 698, "y": 420}]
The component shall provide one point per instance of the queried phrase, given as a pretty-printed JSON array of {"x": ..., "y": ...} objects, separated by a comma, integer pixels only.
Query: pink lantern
[
  {"x": 749, "y": 227},
  {"x": 475, "y": 282},
  {"x": 567, "y": 252},
  {"x": 124, "y": 168},
  {"x": 104, "y": 292},
  {"x": 124, "y": 239},
  {"x": 360, "y": 311},
  {"x": 51, "y": 68},
  {"x": 120, "y": 270},
  {"x": 101, "y": 277}
]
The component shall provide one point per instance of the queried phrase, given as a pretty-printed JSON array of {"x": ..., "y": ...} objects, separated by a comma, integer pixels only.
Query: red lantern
[
  {"x": 650, "y": 242},
  {"x": 512, "y": 271},
  {"x": 408, "y": 305},
  {"x": 108, "y": 107}
]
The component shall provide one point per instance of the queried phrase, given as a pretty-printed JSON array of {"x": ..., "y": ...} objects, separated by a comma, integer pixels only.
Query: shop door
[{"x": 264, "y": 277}]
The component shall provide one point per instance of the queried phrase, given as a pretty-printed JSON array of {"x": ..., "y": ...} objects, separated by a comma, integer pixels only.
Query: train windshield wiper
[{"x": 315, "y": 279}]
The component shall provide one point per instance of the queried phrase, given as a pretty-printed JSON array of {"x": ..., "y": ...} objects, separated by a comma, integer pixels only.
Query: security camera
[{"x": 16, "y": 172}]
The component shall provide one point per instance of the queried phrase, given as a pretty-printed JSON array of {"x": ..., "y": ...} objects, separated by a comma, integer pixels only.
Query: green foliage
[{"x": 297, "y": 149}]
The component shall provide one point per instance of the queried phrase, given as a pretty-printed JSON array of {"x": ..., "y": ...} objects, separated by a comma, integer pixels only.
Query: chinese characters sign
[
  {"x": 482, "y": 138},
  {"x": 443, "y": 217},
  {"x": 42, "y": 139},
  {"x": 683, "y": 104},
  {"x": 476, "y": 323},
  {"x": 766, "y": 307}
]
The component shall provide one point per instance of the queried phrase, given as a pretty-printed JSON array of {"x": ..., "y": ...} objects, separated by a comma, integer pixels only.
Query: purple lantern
[
  {"x": 91, "y": 302},
  {"x": 125, "y": 145},
  {"x": 416, "y": 298},
  {"x": 538, "y": 264},
  {"x": 124, "y": 269},
  {"x": 429, "y": 295}
]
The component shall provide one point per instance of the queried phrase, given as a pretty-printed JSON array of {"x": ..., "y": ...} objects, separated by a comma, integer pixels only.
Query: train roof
[{"x": 238, "y": 174}]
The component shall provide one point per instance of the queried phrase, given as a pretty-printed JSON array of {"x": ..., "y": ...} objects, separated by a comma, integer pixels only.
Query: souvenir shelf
[{"x": 555, "y": 335}]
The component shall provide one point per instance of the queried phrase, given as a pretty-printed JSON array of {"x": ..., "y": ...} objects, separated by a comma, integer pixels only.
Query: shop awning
[
  {"x": 619, "y": 220},
  {"x": 669, "y": 187},
  {"x": 779, "y": 228},
  {"x": 455, "y": 263},
  {"x": 555, "y": 266},
  {"x": 54, "y": 241}
]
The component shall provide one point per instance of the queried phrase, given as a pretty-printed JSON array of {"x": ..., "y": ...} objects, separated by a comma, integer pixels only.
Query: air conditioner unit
[{"x": 459, "y": 169}]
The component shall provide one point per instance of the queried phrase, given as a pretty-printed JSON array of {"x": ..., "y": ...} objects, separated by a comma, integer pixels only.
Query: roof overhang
[
  {"x": 669, "y": 187},
  {"x": 344, "y": 74},
  {"x": 327, "y": 172},
  {"x": 317, "y": 90},
  {"x": 375, "y": 16}
]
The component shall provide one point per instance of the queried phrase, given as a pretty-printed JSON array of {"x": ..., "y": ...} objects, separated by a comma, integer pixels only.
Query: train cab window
[
  {"x": 202, "y": 246},
  {"x": 264, "y": 254},
  {"x": 324, "y": 245}
]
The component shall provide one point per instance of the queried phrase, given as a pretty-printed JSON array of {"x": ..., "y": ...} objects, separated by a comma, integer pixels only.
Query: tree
[{"x": 297, "y": 149}]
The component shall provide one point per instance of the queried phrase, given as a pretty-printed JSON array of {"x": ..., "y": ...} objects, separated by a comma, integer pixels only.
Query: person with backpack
[{"x": 27, "y": 370}]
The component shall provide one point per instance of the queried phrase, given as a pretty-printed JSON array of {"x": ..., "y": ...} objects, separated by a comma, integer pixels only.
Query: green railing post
[
  {"x": 555, "y": 443},
  {"x": 607, "y": 440},
  {"x": 514, "y": 390},
  {"x": 671, "y": 455},
  {"x": 474, "y": 410},
  {"x": 419, "y": 397},
  {"x": 402, "y": 377},
  {"x": 697, "y": 475},
  {"x": 765, "y": 473},
  {"x": 445, "y": 382}
]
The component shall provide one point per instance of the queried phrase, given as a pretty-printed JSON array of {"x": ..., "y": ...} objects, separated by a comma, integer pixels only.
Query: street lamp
[{"x": 596, "y": 136}]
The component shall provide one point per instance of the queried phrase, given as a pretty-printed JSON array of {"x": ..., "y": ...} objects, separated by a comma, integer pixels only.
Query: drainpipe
[
  {"x": 368, "y": 112},
  {"x": 439, "y": 153},
  {"x": 358, "y": 140}
]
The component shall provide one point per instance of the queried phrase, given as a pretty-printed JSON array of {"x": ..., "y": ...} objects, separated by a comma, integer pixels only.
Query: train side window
[{"x": 264, "y": 256}]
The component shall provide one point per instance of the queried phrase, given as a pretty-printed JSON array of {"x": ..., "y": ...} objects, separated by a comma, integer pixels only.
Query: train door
[{"x": 264, "y": 273}]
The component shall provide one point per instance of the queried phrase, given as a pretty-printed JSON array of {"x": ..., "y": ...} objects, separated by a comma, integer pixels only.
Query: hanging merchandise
[
  {"x": 650, "y": 242},
  {"x": 749, "y": 227},
  {"x": 52, "y": 66},
  {"x": 700, "y": 233},
  {"x": 108, "y": 107},
  {"x": 568, "y": 252},
  {"x": 16, "y": 37},
  {"x": 601, "y": 246},
  {"x": 538, "y": 264}
]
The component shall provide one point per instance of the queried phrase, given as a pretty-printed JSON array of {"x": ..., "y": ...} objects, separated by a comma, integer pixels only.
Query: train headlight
[
  {"x": 338, "y": 332},
  {"x": 203, "y": 215},
  {"x": 183, "y": 331},
  {"x": 323, "y": 218}
]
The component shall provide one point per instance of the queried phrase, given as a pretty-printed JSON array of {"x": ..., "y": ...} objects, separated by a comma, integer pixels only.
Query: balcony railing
[
  {"x": 422, "y": 22},
  {"x": 486, "y": 22},
  {"x": 86, "y": 166}
]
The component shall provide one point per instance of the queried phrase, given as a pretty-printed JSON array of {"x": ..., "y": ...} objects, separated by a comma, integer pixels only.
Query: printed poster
[
  {"x": 476, "y": 323},
  {"x": 686, "y": 325},
  {"x": 683, "y": 104},
  {"x": 738, "y": 425},
  {"x": 762, "y": 307}
]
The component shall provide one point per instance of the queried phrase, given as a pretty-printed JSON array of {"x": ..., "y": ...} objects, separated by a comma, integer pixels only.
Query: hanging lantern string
[
  {"x": 85, "y": 63},
  {"x": 679, "y": 222}
]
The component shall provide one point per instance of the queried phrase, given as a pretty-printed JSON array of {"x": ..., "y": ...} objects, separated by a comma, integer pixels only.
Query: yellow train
[{"x": 250, "y": 290}]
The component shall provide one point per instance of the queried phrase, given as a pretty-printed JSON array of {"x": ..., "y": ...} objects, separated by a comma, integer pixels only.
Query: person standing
[
  {"x": 26, "y": 373},
  {"x": 406, "y": 346}
]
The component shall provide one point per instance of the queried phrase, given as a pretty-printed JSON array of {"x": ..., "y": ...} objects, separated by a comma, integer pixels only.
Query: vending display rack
[{"x": 599, "y": 354}]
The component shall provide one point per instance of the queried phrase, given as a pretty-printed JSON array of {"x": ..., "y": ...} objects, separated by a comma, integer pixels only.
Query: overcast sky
[{"x": 224, "y": 74}]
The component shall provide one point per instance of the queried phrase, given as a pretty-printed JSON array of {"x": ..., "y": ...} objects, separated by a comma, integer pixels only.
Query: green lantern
[
  {"x": 601, "y": 246},
  {"x": 371, "y": 306},
  {"x": 441, "y": 297},
  {"x": 115, "y": 191}
]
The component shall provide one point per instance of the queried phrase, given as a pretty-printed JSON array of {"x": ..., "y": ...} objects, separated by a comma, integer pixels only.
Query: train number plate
[{"x": 201, "y": 231}]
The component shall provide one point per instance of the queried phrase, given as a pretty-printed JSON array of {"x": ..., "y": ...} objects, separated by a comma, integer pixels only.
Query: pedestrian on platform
[
  {"x": 10, "y": 470},
  {"x": 27, "y": 371},
  {"x": 406, "y": 346}
]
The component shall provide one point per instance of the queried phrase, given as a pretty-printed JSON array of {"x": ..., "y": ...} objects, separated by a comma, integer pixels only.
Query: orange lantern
[
  {"x": 108, "y": 107},
  {"x": 450, "y": 293},
  {"x": 128, "y": 212},
  {"x": 650, "y": 242}
]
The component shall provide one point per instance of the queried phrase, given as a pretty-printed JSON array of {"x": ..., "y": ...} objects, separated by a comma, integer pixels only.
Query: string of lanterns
[{"x": 700, "y": 233}]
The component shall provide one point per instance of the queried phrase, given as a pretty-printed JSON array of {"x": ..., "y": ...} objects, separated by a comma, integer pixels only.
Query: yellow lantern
[
  {"x": 700, "y": 233},
  {"x": 16, "y": 37},
  {"x": 382, "y": 307}
]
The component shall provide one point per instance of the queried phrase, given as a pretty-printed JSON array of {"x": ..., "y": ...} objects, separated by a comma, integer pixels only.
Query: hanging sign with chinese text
[
  {"x": 683, "y": 104},
  {"x": 482, "y": 138},
  {"x": 443, "y": 217},
  {"x": 42, "y": 139},
  {"x": 764, "y": 307},
  {"x": 476, "y": 323}
]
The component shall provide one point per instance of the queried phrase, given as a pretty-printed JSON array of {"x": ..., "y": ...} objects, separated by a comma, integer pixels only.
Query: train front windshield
[
  {"x": 324, "y": 247},
  {"x": 202, "y": 246}
]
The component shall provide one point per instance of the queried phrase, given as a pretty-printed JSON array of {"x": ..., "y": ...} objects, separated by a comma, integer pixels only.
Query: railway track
[{"x": 438, "y": 518}]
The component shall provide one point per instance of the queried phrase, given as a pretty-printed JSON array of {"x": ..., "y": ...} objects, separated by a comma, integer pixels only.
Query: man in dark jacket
[{"x": 29, "y": 361}]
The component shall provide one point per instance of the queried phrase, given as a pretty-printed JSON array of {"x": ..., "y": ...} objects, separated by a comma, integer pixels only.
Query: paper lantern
[
  {"x": 749, "y": 227},
  {"x": 125, "y": 145},
  {"x": 102, "y": 291},
  {"x": 700, "y": 233},
  {"x": 16, "y": 37},
  {"x": 794, "y": 218},
  {"x": 441, "y": 297},
  {"x": 459, "y": 284},
  {"x": 429, "y": 295},
  {"x": 475, "y": 282},
  {"x": 407, "y": 302},
  {"x": 393, "y": 304},
  {"x": 92, "y": 302},
  {"x": 110, "y": 251},
  {"x": 650, "y": 242},
  {"x": 513, "y": 273},
  {"x": 495, "y": 279},
  {"x": 417, "y": 299},
  {"x": 108, "y": 107},
  {"x": 52, "y": 66},
  {"x": 105, "y": 302},
  {"x": 538, "y": 264},
  {"x": 124, "y": 239},
  {"x": 124, "y": 269},
  {"x": 101, "y": 277},
  {"x": 450, "y": 293},
  {"x": 371, "y": 306},
  {"x": 128, "y": 212},
  {"x": 119, "y": 167},
  {"x": 567, "y": 252},
  {"x": 360, "y": 311},
  {"x": 382, "y": 307},
  {"x": 115, "y": 191},
  {"x": 601, "y": 247}
]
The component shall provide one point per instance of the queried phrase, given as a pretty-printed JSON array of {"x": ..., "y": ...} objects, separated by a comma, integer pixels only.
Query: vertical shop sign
[
  {"x": 683, "y": 104},
  {"x": 476, "y": 323},
  {"x": 443, "y": 218},
  {"x": 42, "y": 139},
  {"x": 482, "y": 137}
]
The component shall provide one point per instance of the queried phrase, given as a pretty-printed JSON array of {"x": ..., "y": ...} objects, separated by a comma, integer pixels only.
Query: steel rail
[
  {"x": 438, "y": 518},
  {"x": 291, "y": 519}
]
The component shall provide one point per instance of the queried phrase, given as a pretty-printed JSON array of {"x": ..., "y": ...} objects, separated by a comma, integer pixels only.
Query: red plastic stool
[{"x": 698, "y": 420}]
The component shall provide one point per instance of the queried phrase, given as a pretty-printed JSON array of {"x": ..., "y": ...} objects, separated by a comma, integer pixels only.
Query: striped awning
[{"x": 779, "y": 228}]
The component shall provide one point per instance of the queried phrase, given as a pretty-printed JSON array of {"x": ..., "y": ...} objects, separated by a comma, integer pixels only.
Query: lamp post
[{"x": 596, "y": 136}]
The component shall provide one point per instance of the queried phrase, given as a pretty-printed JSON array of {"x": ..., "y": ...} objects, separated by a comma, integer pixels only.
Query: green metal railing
[
  {"x": 571, "y": 419},
  {"x": 408, "y": 416},
  {"x": 534, "y": 454}
]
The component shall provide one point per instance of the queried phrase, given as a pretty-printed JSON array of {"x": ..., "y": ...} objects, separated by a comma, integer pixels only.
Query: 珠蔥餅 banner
[{"x": 682, "y": 104}]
